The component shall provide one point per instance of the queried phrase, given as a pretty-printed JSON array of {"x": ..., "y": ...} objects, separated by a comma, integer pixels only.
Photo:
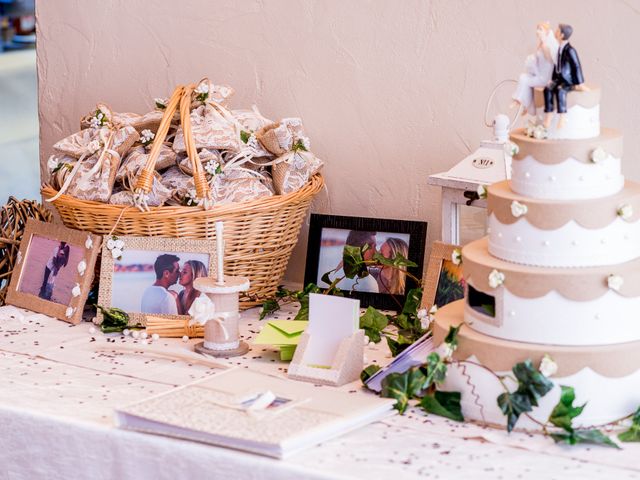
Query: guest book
[{"x": 251, "y": 411}]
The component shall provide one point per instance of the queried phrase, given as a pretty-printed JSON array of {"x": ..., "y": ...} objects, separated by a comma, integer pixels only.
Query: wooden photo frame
[
  {"x": 124, "y": 281},
  {"x": 54, "y": 270},
  {"x": 443, "y": 282},
  {"x": 327, "y": 237}
]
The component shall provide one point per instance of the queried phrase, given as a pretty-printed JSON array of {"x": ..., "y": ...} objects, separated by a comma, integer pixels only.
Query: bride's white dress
[{"x": 538, "y": 74}]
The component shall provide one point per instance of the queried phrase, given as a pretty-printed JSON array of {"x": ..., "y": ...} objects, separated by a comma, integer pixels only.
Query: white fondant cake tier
[
  {"x": 556, "y": 306},
  {"x": 565, "y": 169},
  {"x": 582, "y": 119},
  {"x": 606, "y": 378},
  {"x": 563, "y": 233}
]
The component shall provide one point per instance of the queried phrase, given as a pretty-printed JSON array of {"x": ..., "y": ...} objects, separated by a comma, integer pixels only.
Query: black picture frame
[{"x": 417, "y": 232}]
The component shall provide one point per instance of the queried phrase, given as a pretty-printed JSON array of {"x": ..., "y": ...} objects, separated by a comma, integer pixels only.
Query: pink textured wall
[{"x": 389, "y": 91}]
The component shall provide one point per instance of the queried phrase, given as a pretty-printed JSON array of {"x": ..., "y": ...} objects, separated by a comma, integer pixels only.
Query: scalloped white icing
[{"x": 568, "y": 246}]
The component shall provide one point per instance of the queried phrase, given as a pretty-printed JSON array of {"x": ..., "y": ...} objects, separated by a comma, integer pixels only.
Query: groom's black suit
[{"x": 566, "y": 75}]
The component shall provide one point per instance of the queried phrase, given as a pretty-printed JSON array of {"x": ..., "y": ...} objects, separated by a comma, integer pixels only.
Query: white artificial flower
[
  {"x": 625, "y": 211},
  {"x": 599, "y": 155},
  {"x": 100, "y": 116},
  {"x": 69, "y": 312},
  {"x": 202, "y": 310},
  {"x": 76, "y": 290},
  {"x": 615, "y": 282},
  {"x": 448, "y": 350},
  {"x": 539, "y": 132},
  {"x": 203, "y": 88},
  {"x": 119, "y": 243},
  {"x": 456, "y": 256},
  {"x": 482, "y": 191},
  {"x": 433, "y": 310},
  {"x": 93, "y": 146},
  {"x": 518, "y": 209},
  {"x": 306, "y": 143},
  {"x": 211, "y": 167},
  {"x": 52, "y": 163},
  {"x": 530, "y": 129},
  {"x": 511, "y": 149},
  {"x": 422, "y": 313},
  {"x": 95, "y": 123},
  {"x": 116, "y": 253},
  {"x": 147, "y": 135},
  {"x": 111, "y": 243},
  {"x": 161, "y": 102},
  {"x": 82, "y": 267},
  {"x": 293, "y": 122},
  {"x": 496, "y": 278},
  {"x": 88, "y": 242},
  {"x": 548, "y": 367}
]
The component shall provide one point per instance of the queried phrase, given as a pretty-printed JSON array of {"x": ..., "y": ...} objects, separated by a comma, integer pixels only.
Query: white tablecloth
[{"x": 60, "y": 385}]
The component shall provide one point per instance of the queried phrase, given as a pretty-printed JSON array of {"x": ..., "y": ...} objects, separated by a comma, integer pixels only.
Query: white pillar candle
[{"x": 220, "y": 251}]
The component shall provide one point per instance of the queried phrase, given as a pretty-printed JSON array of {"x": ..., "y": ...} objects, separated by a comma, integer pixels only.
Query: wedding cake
[{"x": 558, "y": 274}]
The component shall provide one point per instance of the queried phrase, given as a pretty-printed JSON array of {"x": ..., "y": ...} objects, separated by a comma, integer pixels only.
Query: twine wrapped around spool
[{"x": 13, "y": 218}]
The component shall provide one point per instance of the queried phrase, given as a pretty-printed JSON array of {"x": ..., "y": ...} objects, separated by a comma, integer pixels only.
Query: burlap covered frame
[
  {"x": 153, "y": 244},
  {"x": 90, "y": 245}
]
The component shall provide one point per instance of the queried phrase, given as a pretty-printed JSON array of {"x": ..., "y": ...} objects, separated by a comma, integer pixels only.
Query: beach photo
[
  {"x": 157, "y": 282},
  {"x": 49, "y": 270}
]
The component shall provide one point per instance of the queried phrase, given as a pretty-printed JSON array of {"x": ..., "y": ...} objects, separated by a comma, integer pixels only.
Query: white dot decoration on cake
[
  {"x": 527, "y": 175},
  {"x": 546, "y": 243},
  {"x": 518, "y": 239},
  {"x": 553, "y": 178}
]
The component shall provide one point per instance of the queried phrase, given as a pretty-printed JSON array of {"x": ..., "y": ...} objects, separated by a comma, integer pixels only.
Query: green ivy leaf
[
  {"x": 413, "y": 301},
  {"x": 113, "y": 319},
  {"x": 633, "y": 434},
  {"x": 444, "y": 404},
  {"x": 434, "y": 369},
  {"x": 403, "y": 387},
  {"x": 594, "y": 436},
  {"x": 268, "y": 307},
  {"x": 373, "y": 322},
  {"x": 564, "y": 412},
  {"x": 368, "y": 372},
  {"x": 402, "y": 321},
  {"x": 512, "y": 406},
  {"x": 245, "y": 136},
  {"x": 531, "y": 382},
  {"x": 326, "y": 279},
  {"x": 398, "y": 345},
  {"x": 398, "y": 261},
  {"x": 452, "y": 336},
  {"x": 353, "y": 262}
]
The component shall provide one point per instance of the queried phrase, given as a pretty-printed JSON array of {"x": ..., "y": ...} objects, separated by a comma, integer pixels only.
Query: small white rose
[
  {"x": 511, "y": 149},
  {"x": 456, "y": 256},
  {"x": 88, "y": 244},
  {"x": 625, "y": 211},
  {"x": 52, "y": 163},
  {"x": 202, "y": 88},
  {"x": 211, "y": 167},
  {"x": 155, "y": 337},
  {"x": 95, "y": 123},
  {"x": 599, "y": 155},
  {"x": 100, "y": 116},
  {"x": 82, "y": 267},
  {"x": 615, "y": 282},
  {"x": 540, "y": 132},
  {"x": 482, "y": 191},
  {"x": 530, "y": 129},
  {"x": 548, "y": 367},
  {"x": 69, "y": 312},
  {"x": 202, "y": 310},
  {"x": 422, "y": 313},
  {"x": 119, "y": 244},
  {"x": 76, "y": 290},
  {"x": 496, "y": 278},
  {"x": 146, "y": 136},
  {"x": 518, "y": 209},
  {"x": 306, "y": 143},
  {"x": 116, "y": 253},
  {"x": 185, "y": 338},
  {"x": 161, "y": 101},
  {"x": 111, "y": 243}
]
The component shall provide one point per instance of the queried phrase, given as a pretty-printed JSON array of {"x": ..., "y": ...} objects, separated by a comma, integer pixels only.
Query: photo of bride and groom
[
  {"x": 554, "y": 66},
  {"x": 157, "y": 282}
]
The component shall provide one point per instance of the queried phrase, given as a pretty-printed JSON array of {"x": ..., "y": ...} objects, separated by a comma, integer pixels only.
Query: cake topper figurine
[
  {"x": 567, "y": 76},
  {"x": 539, "y": 69}
]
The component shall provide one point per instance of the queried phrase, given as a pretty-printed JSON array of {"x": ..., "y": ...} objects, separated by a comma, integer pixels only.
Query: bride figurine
[{"x": 539, "y": 68}]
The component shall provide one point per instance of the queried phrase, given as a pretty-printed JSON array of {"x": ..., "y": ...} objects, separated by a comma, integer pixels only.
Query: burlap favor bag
[
  {"x": 158, "y": 195},
  {"x": 148, "y": 121},
  {"x": 181, "y": 186},
  {"x": 238, "y": 185},
  {"x": 94, "y": 177},
  {"x": 294, "y": 170},
  {"x": 210, "y": 130},
  {"x": 280, "y": 138},
  {"x": 137, "y": 158}
]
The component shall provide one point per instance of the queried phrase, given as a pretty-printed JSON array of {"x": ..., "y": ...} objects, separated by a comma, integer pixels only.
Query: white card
[{"x": 331, "y": 319}]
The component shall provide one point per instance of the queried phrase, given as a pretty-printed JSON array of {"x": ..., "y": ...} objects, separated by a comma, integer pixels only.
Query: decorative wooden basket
[{"x": 259, "y": 234}]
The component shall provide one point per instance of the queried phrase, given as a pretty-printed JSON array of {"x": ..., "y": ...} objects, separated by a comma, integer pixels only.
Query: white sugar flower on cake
[
  {"x": 548, "y": 367},
  {"x": 615, "y": 282},
  {"x": 625, "y": 211},
  {"x": 456, "y": 256},
  {"x": 202, "y": 310},
  {"x": 496, "y": 278},
  {"x": 518, "y": 209},
  {"x": 511, "y": 149},
  {"x": 540, "y": 132},
  {"x": 599, "y": 155}
]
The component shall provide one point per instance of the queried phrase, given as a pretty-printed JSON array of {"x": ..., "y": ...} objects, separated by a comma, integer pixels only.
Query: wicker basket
[{"x": 259, "y": 235}]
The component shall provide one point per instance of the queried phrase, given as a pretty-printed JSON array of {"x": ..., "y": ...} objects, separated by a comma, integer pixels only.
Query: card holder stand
[{"x": 346, "y": 366}]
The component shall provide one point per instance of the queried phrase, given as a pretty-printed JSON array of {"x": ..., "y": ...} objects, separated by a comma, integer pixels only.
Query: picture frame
[
  {"x": 443, "y": 282},
  {"x": 54, "y": 270},
  {"x": 124, "y": 281},
  {"x": 329, "y": 233}
]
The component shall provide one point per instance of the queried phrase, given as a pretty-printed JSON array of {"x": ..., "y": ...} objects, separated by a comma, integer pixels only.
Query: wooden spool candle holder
[{"x": 221, "y": 334}]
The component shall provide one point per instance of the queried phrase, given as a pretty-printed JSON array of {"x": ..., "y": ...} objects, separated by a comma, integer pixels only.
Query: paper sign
[{"x": 331, "y": 319}]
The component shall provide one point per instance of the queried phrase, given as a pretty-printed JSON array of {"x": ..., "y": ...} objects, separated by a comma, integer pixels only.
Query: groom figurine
[{"x": 567, "y": 76}]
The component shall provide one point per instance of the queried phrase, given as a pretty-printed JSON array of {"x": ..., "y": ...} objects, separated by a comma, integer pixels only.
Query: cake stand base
[{"x": 242, "y": 348}]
